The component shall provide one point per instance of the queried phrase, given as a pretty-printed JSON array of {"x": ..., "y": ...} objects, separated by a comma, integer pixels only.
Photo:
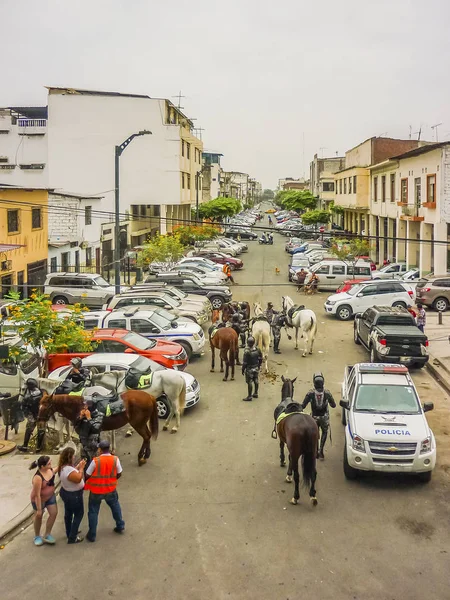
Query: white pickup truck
[{"x": 386, "y": 428}]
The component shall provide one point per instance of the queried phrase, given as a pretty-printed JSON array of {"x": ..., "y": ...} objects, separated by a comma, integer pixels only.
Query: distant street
[{"x": 208, "y": 517}]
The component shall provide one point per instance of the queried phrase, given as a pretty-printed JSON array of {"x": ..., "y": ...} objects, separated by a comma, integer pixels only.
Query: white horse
[
  {"x": 305, "y": 320},
  {"x": 167, "y": 382},
  {"x": 261, "y": 333}
]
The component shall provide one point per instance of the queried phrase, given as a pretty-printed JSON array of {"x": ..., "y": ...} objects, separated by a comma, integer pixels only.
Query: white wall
[{"x": 215, "y": 181}]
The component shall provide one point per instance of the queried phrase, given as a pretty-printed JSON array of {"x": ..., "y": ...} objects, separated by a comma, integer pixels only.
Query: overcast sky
[{"x": 260, "y": 77}]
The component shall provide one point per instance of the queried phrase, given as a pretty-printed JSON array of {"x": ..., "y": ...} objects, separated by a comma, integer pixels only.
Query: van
[
  {"x": 333, "y": 273},
  {"x": 12, "y": 375},
  {"x": 86, "y": 288}
]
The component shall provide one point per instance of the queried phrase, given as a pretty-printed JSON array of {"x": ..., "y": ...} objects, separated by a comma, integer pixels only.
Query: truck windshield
[{"x": 400, "y": 399}]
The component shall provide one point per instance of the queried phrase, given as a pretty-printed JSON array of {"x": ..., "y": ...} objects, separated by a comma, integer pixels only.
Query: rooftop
[
  {"x": 31, "y": 112},
  {"x": 83, "y": 92},
  {"x": 421, "y": 150}
]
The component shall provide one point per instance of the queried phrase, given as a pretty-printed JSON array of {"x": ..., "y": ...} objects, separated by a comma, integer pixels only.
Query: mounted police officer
[
  {"x": 30, "y": 406},
  {"x": 78, "y": 374},
  {"x": 320, "y": 400},
  {"x": 270, "y": 312},
  {"x": 279, "y": 320},
  {"x": 244, "y": 311},
  {"x": 236, "y": 324},
  {"x": 88, "y": 427},
  {"x": 251, "y": 364}
]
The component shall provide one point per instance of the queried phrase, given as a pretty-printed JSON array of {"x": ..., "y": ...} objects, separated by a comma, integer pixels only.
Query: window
[
  {"x": 188, "y": 181},
  {"x": 182, "y": 181},
  {"x": 88, "y": 215},
  {"x": 36, "y": 218},
  {"x": 135, "y": 210},
  {"x": 117, "y": 324},
  {"x": 188, "y": 150},
  {"x": 328, "y": 186},
  {"x": 404, "y": 191},
  {"x": 392, "y": 187},
  {"x": 375, "y": 189},
  {"x": 65, "y": 259},
  {"x": 53, "y": 264},
  {"x": 141, "y": 326},
  {"x": 182, "y": 147},
  {"x": 13, "y": 221},
  {"x": 349, "y": 185},
  {"x": 338, "y": 269},
  {"x": 345, "y": 185},
  {"x": 383, "y": 188},
  {"x": 111, "y": 346},
  {"x": 323, "y": 270},
  {"x": 369, "y": 290},
  {"x": 354, "y": 184},
  {"x": 89, "y": 257},
  {"x": 143, "y": 210},
  {"x": 441, "y": 283},
  {"x": 417, "y": 191},
  {"x": 340, "y": 186},
  {"x": 431, "y": 188}
]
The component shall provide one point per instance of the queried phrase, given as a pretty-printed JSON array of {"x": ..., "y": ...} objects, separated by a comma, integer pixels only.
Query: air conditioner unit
[{"x": 6, "y": 265}]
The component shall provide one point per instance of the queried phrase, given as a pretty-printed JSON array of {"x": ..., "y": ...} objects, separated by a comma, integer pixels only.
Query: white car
[
  {"x": 215, "y": 278},
  {"x": 390, "y": 271},
  {"x": 122, "y": 362},
  {"x": 386, "y": 428},
  {"x": 201, "y": 270},
  {"x": 365, "y": 295},
  {"x": 157, "y": 323},
  {"x": 200, "y": 260}
]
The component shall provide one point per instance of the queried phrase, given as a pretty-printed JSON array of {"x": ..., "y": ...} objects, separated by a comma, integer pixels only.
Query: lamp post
[
  {"x": 198, "y": 175},
  {"x": 118, "y": 153}
]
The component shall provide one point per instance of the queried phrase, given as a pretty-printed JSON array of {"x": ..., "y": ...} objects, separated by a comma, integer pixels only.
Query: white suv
[{"x": 365, "y": 295}]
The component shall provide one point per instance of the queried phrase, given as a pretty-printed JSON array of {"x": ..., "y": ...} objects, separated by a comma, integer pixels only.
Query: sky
[{"x": 271, "y": 83}]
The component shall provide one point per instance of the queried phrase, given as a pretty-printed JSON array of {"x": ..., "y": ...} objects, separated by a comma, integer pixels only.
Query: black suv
[{"x": 217, "y": 294}]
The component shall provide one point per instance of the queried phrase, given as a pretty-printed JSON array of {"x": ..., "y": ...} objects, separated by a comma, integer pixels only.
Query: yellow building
[
  {"x": 23, "y": 237},
  {"x": 352, "y": 194}
]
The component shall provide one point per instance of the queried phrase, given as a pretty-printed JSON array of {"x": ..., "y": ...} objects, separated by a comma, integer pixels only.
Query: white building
[{"x": 211, "y": 175}]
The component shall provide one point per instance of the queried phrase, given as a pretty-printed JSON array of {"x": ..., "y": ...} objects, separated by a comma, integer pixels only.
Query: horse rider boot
[
  {"x": 251, "y": 364},
  {"x": 236, "y": 325},
  {"x": 30, "y": 407},
  {"x": 278, "y": 321},
  {"x": 320, "y": 400},
  {"x": 88, "y": 427}
]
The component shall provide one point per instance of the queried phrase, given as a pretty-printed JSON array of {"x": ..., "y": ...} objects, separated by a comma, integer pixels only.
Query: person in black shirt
[
  {"x": 251, "y": 365},
  {"x": 320, "y": 400}
]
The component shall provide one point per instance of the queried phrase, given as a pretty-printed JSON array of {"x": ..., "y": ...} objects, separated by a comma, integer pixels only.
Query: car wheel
[
  {"x": 440, "y": 304},
  {"x": 425, "y": 477},
  {"x": 349, "y": 472},
  {"x": 60, "y": 300},
  {"x": 344, "y": 312},
  {"x": 232, "y": 267},
  {"x": 187, "y": 348},
  {"x": 163, "y": 408},
  {"x": 402, "y": 304},
  {"x": 216, "y": 302},
  {"x": 373, "y": 355},
  {"x": 356, "y": 336}
]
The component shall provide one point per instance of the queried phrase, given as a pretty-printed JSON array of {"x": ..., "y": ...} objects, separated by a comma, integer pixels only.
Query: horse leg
[
  {"x": 176, "y": 410},
  {"x": 312, "y": 490},
  {"x": 289, "y": 471},
  {"x": 224, "y": 359},
  {"x": 170, "y": 415},
  {"x": 296, "y": 338},
  {"x": 306, "y": 340},
  {"x": 296, "y": 497},
  {"x": 282, "y": 457},
  {"x": 312, "y": 337},
  {"x": 144, "y": 432},
  {"x": 213, "y": 356}
]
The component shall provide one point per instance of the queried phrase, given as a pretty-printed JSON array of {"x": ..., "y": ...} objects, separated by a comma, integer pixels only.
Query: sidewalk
[{"x": 439, "y": 347}]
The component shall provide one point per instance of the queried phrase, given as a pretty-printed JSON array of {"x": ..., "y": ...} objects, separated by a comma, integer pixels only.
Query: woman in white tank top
[{"x": 72, "y": 484}]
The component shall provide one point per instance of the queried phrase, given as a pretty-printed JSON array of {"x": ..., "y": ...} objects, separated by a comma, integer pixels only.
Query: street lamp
[
  {"x": 198, "y": 175},
  {"x": 118, "y": 154}
]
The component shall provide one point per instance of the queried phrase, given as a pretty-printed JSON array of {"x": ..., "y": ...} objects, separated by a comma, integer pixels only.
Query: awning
[
  {"x": 7, "y": 247},
  {"x": 58, "y": 243}
]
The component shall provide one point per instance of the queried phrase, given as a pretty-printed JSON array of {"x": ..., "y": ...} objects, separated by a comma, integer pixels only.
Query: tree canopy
[
  {"x": 189, "y": 234},
  {"x": 313, "y": 217},
  {"x": 162, "y": 248},
  {"x": 219, "y": 208},
  {"x": 268, "y": 194},
  {"x": 296, "y": 199},
  {"x": 350, "y": 251}
]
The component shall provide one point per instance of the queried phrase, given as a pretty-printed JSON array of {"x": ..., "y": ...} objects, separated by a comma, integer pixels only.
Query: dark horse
[
  {"x": 225, "y": 339},
  {"x": 300, "y": 433},
  {"x": 140, "y": 410}
]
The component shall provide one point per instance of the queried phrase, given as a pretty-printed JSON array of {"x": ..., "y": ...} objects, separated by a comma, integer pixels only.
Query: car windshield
[
  {"x": 355, "y": 289},
  {"x": 101, "y": 282},
  {"x": 387, "y": 399},
  {"x": 145, "y": 365},
  {"x": 411, "y": 274},
  {"x": 179, "y": 293},
  {"x": 171, "y": 301},
  {"x": 139, "y": 341},
  {"x": 165, "y": 314}
]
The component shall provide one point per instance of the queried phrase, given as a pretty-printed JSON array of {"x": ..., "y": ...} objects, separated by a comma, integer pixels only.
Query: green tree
[
  {"x": 189, "y": 234},
  {"x": 313, "y": 217},
  {"x": 163, "y": 248},
  {"x": 336, "y": 209},
  {"x": 268, "y": 195},
  {"x": 300, "y": 200},
  {"x": 350, "y": 251},
  {"x": 219, "y": 208}
]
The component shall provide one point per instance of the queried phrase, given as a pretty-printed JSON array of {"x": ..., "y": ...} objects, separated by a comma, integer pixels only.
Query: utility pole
[{"x": 117, "y": 154}]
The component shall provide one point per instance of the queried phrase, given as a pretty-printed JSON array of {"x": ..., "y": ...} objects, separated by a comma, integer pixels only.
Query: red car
[
  {"x": 221, "y": 259},
  {"x": 168, "y": 354},
  {"x": 349, "y": 284}
]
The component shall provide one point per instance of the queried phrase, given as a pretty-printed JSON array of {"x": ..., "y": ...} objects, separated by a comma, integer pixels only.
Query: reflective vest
[{"x": 104, "y": 478}]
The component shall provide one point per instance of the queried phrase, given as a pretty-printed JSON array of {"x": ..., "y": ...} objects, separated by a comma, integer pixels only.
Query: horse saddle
[
  {"x": 135, "y": 380},
  {"x": 260, "y": 318},
  {"x": 214, "y": 329},
  {"x": 70, "y": 388},
  {"x": 108, "y": 405},
  {"x": 283, "y": 410},
  {"x": 294, "y": 310}
]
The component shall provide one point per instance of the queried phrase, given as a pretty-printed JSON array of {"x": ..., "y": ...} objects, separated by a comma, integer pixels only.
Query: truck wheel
[
  {"x": 216, "y": 302},
  {"x": 60, "y": 300},
  {"x": 425, "y": 477},
  {"x": 344, "y": 312},
  {"x": 349, "y": 472},
  {"x": 343, "y": 418},
  {"x": 440, "y": 304},
  {"x": 356, "y": 336},
  {"x": 187, "y": 348},
  {"x": 163, "y": 408},
  {"x": 373, "y": 355}
]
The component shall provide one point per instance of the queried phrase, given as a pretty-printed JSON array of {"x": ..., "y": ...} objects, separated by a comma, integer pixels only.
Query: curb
[{"x": 440, "y": 372}]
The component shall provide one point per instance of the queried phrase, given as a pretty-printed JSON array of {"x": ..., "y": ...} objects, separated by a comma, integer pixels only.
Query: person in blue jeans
[
  {"x": 72, "y": 485},
  {"x": 101, "y": 480}
]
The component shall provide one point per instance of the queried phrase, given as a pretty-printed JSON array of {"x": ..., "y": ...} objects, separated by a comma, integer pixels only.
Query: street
[{"x": 208, "y": 517}]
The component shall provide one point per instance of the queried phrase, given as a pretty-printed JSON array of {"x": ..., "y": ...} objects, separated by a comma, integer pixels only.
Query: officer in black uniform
[
  {"x": 30, "y": 407},
  {"x": 244, "y": 311},
  {"x": 251, "y": 365},
  {"x": 270, "y": 312},
  {"x": 320, "y": 400},
  {"x": 88, "y": 427},
  {"x": 78, "y": 374},
  {"x": 236, "y": 321},
  {"x": 279, "y": 320}
]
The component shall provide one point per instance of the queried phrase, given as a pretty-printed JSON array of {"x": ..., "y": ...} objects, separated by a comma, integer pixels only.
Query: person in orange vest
[
  {"x": 227, "y": 270},
  {"x": 101, "y": 481}
]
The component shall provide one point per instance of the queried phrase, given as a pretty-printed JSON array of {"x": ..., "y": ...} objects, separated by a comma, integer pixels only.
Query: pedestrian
[
  {"x": 270, "y": 221},
  {"x": 227, "y": 270},
  {"x": 101, "y": 481},
  {"x": 279, "y": 320},
  {"x": 72, "y": 484},
  {"x": 411, "y": 311},
  {"x": 320, "y": 399},
  {"x": 251, "y": 364},
  {"x": 30, "y": 407},
  {"x": 270, "y": 312},
  {"x": 301, "y": 276},
  {"x": 421, "y": 317},
  {"x": 43, "y": 497},
  {"x": 88, "y": 426}
]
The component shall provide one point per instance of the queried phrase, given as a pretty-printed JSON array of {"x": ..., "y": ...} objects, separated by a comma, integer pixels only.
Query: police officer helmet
[
  {"x": 243, "y": 305},
  {"x": 318, "y": 382},
  {"x": 251, "y": 342},
  {"x": 31, "y": 383},
  {"x": 76, "y": 362},
  {"x": 235, "y": 318},
  {"x": 270, "y": 305}
]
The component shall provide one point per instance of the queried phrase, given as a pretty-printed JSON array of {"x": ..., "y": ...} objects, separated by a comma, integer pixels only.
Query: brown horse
[
  {"x": 225, "y": 339},
  {"x": 300, "y": 433},
  {"x": 140, "y": 410},
  {"x": 228, "y": 311}
]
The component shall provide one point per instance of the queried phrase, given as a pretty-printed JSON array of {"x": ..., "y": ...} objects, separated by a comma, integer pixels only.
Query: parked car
[
  {"x": 306, "y": 246},
  {"x": 157, "y": 323},
  {"x": 196, "y": 299},
  {"x": 245, "y": 234},
  {"x": 298, "y": 262},
  {"x": 390, "y": 271},
  {"x": 13, "y": 375},
  {"x": 226, "y": 242},
  {"x": 212, "y": 278},
  {"x": 391, "y": 335},
  {"x": 294, "y": 242},
  {"x": 434, "y": 291},
  {"x": 349, "y": 284},
  {"x": 218, "y": 257},
  {"x": 104, "y": 363},
  {"x": 168, "y": 354},
  {"x": 217, "y": 294},
  {"x": 89, "y": 289},
  {"x": 365, "y": 295},
  {"x": 332, "y": 273}
]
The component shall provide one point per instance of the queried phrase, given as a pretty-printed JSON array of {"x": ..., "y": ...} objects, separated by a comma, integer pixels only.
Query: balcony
[
  {"x": 429, "y": 205},
  {"x": 32, "y": 126},
  {"x": 410, "y": 212}
]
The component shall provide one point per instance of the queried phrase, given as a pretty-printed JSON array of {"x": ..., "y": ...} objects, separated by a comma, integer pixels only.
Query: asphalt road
[{"x": 209, "y": 516}]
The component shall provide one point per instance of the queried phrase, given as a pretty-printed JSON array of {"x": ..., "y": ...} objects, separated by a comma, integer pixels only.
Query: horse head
[
  {"x": 257, "y": 309},
  {"x": 46, "y": 408},
  {"x": 287, "y": 389}
]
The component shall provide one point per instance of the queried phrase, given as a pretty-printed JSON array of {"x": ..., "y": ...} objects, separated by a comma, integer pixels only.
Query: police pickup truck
[
  {"x": 391, "y": 335},
  {"x": 386, "y": 428}
]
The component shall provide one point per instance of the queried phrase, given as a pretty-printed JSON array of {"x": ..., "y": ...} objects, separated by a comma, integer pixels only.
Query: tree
[
  {"x": 350, "y": 251},
  {"x": 268, "y": 195},
  {"x": 163, "y": 248},
  {"x": 313, "y": 217},
  {"x": 189, "y": 234},
  {"x": 296, "y": 200},
  {"x": 219, "y": 208}
]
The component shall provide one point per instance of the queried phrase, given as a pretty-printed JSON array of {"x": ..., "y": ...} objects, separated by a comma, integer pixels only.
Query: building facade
[
  {"x": 289, "y": 183},
  {"x": 211, "y": 176},
  {"x": 321, "y": 179}
]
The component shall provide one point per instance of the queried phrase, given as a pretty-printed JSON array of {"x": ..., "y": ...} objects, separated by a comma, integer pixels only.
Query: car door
[
  {"x": 323, "y": 273},
  {"x": 366, "y": 298},
  {"x": 116, "y": 323},
  {"x": 365, "y": 325},
  {"x": 144, "y": 326},
  {"x": 337, "y": 276}
]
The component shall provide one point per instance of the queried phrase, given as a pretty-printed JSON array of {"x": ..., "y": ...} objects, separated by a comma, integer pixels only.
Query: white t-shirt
[
  {"x": 68, "y": 485},
  {"x": 91, "y": 467}
]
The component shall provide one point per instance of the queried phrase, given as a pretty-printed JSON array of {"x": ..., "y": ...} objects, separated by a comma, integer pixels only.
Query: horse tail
[
  {"x": 309, "y": 458},
  {"x": 182, "y": 398},
  {"x": 234, "y": 349},
  {"x": 154, "y": 421}
]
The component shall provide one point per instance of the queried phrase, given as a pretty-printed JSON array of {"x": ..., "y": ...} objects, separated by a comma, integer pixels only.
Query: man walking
[
  {"x": 320, "y": 400},
  {"x": 30, "y": 407},
  {"x": 251, "y": 364},
  {"x": 421, "y": 317},
  {"x": 227, "y": 270},
  {"x": 101, "y": 480},
  {"x": 279, "y": 320}
]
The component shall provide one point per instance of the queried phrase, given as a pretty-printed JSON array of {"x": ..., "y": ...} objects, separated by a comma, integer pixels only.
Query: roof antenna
[
  {"x": 179, "y": 96},
  {"x": 435, "y": 127}
]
